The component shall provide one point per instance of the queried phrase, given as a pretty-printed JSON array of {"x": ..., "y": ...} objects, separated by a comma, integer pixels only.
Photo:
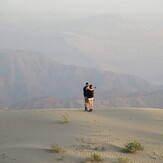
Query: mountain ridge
[
  {"x": 146, "y": 100},
  {"x": 124, "y": 43},
  {"x": 27, "y": 75}
]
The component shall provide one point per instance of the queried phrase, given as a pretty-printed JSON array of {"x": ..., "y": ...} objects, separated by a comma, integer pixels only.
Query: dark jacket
[
  {"x": 85, "y": 91},
  {"x": 90, "y": 94}
]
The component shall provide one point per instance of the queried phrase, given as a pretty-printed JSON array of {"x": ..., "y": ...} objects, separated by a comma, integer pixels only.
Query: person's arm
[{"x": 91, "y": 89}]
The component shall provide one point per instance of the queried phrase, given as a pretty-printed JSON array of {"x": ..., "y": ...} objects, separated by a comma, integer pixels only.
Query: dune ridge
[{"x": 26, "y": 135}]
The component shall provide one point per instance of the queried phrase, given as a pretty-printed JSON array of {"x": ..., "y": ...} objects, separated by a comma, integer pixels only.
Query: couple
[{"x": 88, "y": 93}]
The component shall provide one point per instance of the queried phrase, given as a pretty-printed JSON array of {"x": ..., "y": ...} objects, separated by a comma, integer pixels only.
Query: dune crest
[{"x": 26, "y": 135}]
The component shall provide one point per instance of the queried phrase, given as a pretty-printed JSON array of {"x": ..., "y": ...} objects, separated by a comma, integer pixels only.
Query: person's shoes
[
  {"x": 90, "y": 110},
  {"x": 86, "y": 109}
]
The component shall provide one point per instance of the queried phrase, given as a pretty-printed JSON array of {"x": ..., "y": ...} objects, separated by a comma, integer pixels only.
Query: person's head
[
  {"x": 87, "y": 84},
  {"x": 90, "y": 86}
]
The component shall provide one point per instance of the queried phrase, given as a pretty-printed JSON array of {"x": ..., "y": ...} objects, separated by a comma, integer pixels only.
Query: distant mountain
[
  {"x": 28, "y": 75},
  {"x": 129, "y": 44},
  {"x": 139, "y": 99},
  {"x": 47, "y": 103},
  {"x": 123, "y": 43}
]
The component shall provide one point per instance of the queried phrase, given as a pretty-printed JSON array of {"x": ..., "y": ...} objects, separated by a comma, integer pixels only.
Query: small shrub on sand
[
  {"x": 132, "y": 147},
  {"x": 56, "y": 149},
  {"x": 93, "y": 158},
  {"x": 122, "y": 160},
  {"x": 64, "y": 118}
]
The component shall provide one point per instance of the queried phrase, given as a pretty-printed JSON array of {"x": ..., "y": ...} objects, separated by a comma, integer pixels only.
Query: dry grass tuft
[
  {"x": 133, "y": 147},
  {"x": 93, "y": 158},
  {"x": 56, "y": 148}
]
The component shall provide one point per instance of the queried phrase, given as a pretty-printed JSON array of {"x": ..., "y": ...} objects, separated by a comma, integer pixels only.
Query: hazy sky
[{"x": 63, "y": 8}]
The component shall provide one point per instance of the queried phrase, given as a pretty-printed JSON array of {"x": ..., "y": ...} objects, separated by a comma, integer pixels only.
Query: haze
[
  {"x": 124, "y": 36},
  {"x": 67, "y": 8}
]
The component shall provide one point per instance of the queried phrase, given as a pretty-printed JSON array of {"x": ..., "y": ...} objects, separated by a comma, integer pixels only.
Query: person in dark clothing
[
  {"x": 85, "y": 92},
  {"x": 90, "y": 95}
]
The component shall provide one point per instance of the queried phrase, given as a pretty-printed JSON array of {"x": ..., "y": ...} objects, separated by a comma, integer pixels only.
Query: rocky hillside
[
  {"x": 139, "y": 99},
  {"x": 27, "y": 75}
]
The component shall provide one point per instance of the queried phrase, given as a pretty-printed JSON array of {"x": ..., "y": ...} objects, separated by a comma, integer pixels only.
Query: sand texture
[{"x": 26, "y": 135}]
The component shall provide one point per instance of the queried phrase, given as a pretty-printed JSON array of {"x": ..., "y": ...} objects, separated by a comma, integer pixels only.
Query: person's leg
[
  {"x": 86, "y": 103},
  {"x": 91, "y": 104}
]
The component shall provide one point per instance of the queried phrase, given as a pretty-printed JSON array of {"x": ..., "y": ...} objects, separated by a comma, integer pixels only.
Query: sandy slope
[{"x": 26, "y": 135}]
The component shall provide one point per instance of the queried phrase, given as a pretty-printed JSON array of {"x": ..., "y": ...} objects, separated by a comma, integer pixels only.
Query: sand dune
[{"x": 25, "y": 136}]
